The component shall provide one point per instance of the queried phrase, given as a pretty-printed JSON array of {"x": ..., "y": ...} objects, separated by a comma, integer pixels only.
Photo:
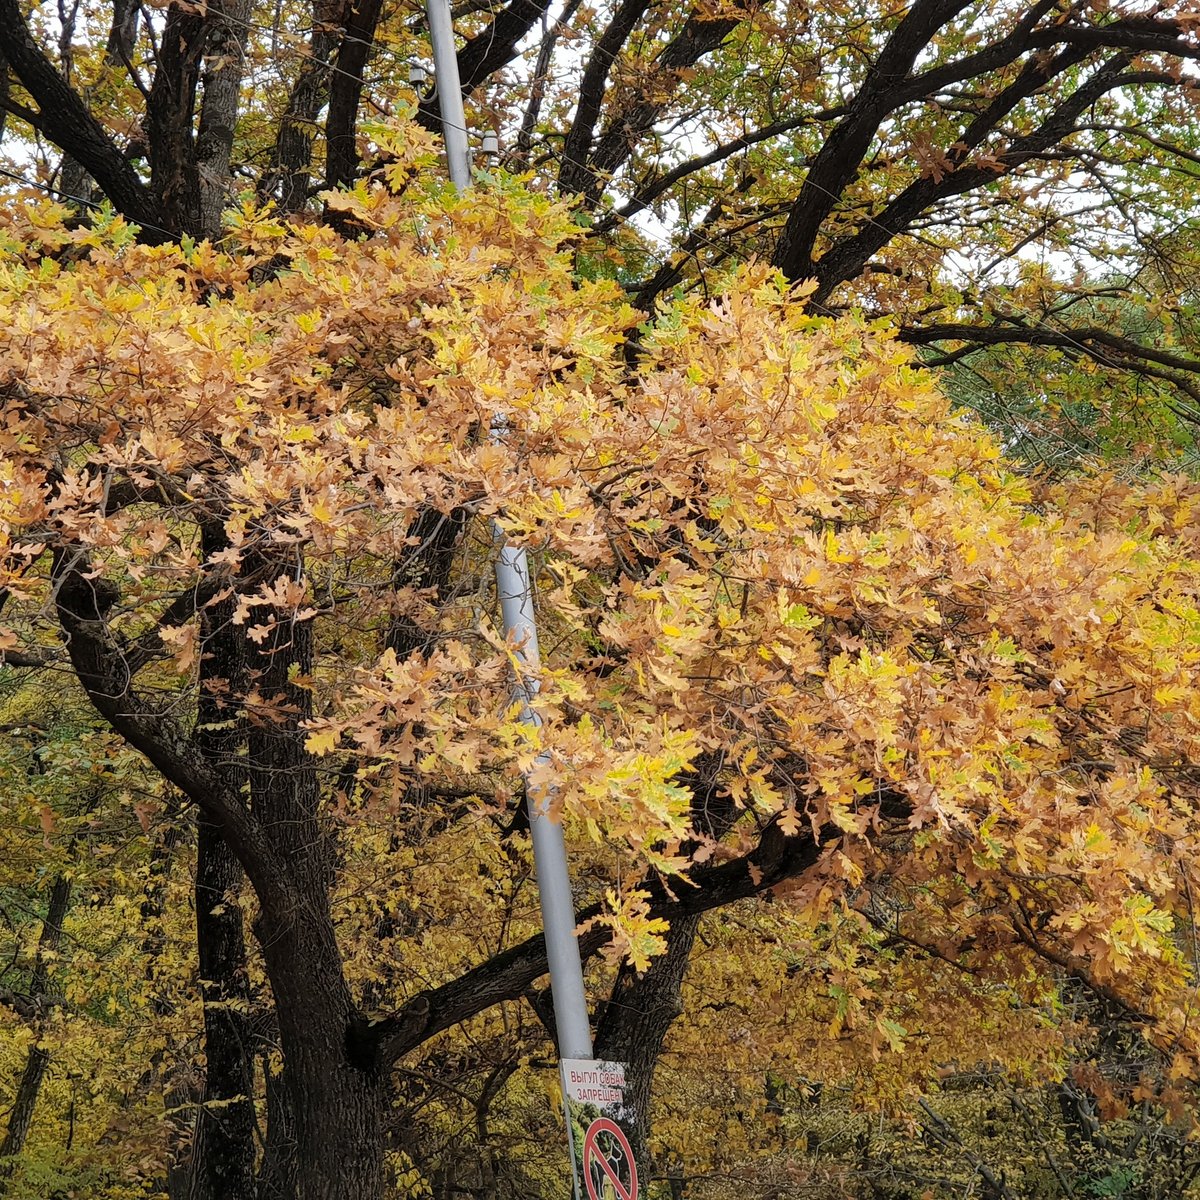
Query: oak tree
[{"x": 806, "y": 635}]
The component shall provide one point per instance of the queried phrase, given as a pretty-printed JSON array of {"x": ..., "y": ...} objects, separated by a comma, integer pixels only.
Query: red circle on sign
[{"x": 618, "y": 1148}]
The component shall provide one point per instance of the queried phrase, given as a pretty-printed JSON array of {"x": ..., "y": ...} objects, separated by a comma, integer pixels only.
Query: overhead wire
[{"x": 85, "y": 201}]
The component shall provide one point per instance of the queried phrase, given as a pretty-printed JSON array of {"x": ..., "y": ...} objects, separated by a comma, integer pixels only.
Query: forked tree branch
[
  {"x": 66, "y": 120},
  {"x": 82, "y": 604},
  {"x": 776, "y": 859}
]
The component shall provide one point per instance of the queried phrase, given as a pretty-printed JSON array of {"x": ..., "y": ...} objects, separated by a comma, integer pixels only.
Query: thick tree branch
[
  {"x": 776, "y": 859},
  {"x": 1023, "y": 38},
  {"x": 29, "y": 659},
  {"x": 699, "y": 36},
  {"x": 96, "y": 657},
  {"x": 882, "y": 94},
  {"x": 541, "y": 74},
  {"x": 485, "y": 53},
  {"x": 847, "y": 257},
  {"x": 1141, "y": 35},
  {"x": 840, "y": 156},
  {"x": 1077, "y": 969},
  {"x": 1086, "y": 337},
  {"x": 574, "y": 174},
  {"x": 345, "y": 93},
  {"x": 30, "y": 1006},
  {"x": 1102, "y": 347},
  {"x": 138, "y": 655},
  {"x": 497, "y": 42},
  {"x": 65, "y": 119}
]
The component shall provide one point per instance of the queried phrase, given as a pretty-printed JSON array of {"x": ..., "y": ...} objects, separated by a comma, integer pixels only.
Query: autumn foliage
[{"x": 808, "y": 638}]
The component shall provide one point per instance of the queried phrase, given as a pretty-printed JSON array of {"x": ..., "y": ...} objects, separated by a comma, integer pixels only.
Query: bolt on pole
[{"x": 515, "y": 588}]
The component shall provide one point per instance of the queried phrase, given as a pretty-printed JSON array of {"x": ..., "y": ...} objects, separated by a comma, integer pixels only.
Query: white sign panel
[{"x": 599, "y": 1125}]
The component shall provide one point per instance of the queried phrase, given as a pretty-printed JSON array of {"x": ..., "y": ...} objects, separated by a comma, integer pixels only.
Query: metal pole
[
  {"x": 549, "y": 849},
  {"x": 449, "y": 92},
  {"x": 516, "y": 605}
]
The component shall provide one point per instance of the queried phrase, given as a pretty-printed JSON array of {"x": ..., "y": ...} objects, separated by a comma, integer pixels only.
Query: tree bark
[
  {"x": 332, "y": 1060},
  {"x": 641, "y": 1008},
  {"x": 292, "y": 155},
  {"x": 345, "y": 92},
  {"x": 332, "y": 1074},
  {"x": 223, "y": 1152},
  {"x": 336, "y": 1090},
  {"x": 170, "y": 113},
  {"x": 38, "y": 1060},
  {"x": 838, "y": 159},
  {"x": 277, "y": 1174},
  {"x": 639, "y": 1012},
  {"x": 224, "y": 53}
]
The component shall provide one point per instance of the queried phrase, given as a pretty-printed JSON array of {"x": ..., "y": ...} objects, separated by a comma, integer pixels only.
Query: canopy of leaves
[
  {"x": 980, "y": 172},
  {"x": 805, "y": 632}
]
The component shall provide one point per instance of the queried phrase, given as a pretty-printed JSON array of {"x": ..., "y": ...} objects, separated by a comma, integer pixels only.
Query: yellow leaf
[{"x": 321, "y": 742}]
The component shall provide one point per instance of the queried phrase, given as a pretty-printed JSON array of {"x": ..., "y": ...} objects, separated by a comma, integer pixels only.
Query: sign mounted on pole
[{"x": 599, "y": 1128}]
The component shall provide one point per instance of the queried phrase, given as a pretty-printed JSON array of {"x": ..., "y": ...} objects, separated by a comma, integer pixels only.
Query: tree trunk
[
  {"x": 223, "y": 1151},
  {"x": 339, "y": 1130},
  {"x": 21, "y": 1117},
  {"x": 224, "y": 56},
  {"x": 642, "y": 1008},
  {"x": 178, "y": 1096},
  {"x": 277, "y": 1175},
  {"x": 331, "y": 1062},
  {"x": 292, "y": 155},
  {"x": 637, "y": 1017},
  {"x": 336, "y": 1090},
  {"x": 170, "y": 113},
  {"x": 345, "y": 92}
]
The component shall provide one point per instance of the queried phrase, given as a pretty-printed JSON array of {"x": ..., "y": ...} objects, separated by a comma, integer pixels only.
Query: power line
[{"x": 85, "y": 201}]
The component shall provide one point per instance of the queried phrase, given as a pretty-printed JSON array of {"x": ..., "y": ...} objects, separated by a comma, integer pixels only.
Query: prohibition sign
[{"x": 608, "y": 1159}]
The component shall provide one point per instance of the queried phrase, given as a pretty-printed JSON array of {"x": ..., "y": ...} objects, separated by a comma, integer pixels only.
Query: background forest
[{"x": 846, "y": 357}]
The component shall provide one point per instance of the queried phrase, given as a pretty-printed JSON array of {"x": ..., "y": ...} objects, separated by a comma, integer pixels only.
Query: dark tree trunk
[
  {"x": 178, "y": 1096},
  {"x": 170, "y": 114},
  {"x": 292, "y": 157},
  {"x": 336, "y": 1089},
  {"x": 4, "y": 91},
  {"x": 277, "y": 1175},
  {"x": 224, "y": 54},
  {"x": 334, "y": 1082},
  {"x": 345, "y": 92},
  {"x": 38, "y": 1060},
  {"x": 223, "y": 1151},
  {"x": 642, "y": 1008},
  {"x": 222, "y": 1166},
  {"x": 21, "y": 1117},
  {"x": 637, "y": 1017}
]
